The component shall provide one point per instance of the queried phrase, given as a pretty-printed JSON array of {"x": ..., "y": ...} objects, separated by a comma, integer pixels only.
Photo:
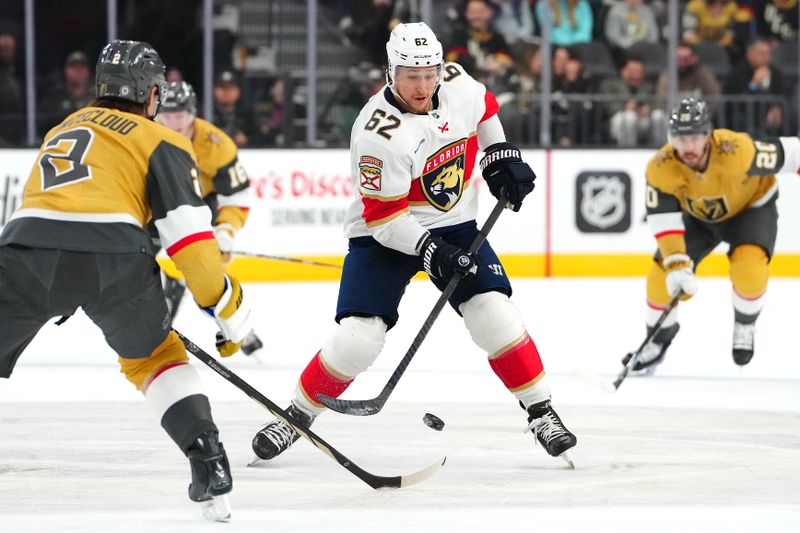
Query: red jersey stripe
[
  {"x": 670, "y": 232},
  {"x": 189, "y": 239},
  {"x": 375, "y": 209}
]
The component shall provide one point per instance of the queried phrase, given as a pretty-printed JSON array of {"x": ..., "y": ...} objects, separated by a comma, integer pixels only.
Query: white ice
[{"x": 701, "y": 446}]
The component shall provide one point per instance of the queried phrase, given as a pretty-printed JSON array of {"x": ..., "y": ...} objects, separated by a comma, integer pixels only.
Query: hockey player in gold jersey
[
  {"x": 79, "y": 240},
  {"x": 705, "y": 187},
  {"x": 224, "y": 184}
]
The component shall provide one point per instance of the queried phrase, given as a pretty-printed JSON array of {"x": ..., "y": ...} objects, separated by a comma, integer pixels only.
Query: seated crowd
[{"x": 608, "y": 64}]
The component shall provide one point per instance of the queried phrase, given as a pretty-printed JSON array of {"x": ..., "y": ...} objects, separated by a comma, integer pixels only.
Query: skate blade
[
  {"x": 217, "y": 508},
  {"x": 568, "y": 458},
  {"x": 256, "y": 461},
  {"x": 645, "y": 372}
]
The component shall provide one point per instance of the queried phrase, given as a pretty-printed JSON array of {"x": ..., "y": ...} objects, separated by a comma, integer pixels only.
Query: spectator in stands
[
  {"x": 756, "y": 77},
  {"x": 271, "y": 115},
  {"x": 528, "y": 69},
  {"x": 634, "y": 121},
  {"x": 629, "y": 22},
  {"x": 368, "y": 23},
  {"x": 571, "y": 21},
  {"x": 76, "y": 91},
  {"x": 174, "y": 75},
  {"x": 714, "y": 20},
  {"x": 481, "y": 50},
  {"x": 519, "y": 117},
  {"x": 572, "y": 117},
  {"x": 777, "y": 19},
  {"x": 229, "y": 114},
  {"x": 694, "y": 79},
  {"x": 514, "y": 20},
  {"x": 11, "y": 94}
]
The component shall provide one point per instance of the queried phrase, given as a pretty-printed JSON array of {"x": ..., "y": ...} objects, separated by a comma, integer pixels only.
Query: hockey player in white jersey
[{"x": 413, "y": 148}]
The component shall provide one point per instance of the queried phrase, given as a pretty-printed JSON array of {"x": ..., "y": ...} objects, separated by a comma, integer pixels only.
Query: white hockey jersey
[{"x": 412, "y": 171}]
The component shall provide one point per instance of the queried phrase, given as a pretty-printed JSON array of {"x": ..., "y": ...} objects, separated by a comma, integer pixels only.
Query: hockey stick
[
  {"x": 289, "y": 259},
  {"x": 634, "y": 357},
  {"x": 374, "y": 481},
  {"x": 372, "y": 406}
]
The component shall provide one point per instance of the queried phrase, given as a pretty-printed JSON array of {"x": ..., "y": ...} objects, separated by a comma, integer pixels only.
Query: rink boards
[{"x": 585, "y": 218}]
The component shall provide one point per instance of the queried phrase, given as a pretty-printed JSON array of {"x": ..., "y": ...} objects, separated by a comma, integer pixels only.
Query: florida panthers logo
[{"x": 442, "y": 178}]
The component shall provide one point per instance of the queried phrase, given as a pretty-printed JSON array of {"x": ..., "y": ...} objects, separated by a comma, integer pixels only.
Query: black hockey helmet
[
  {"x": 179, "y": 96},
  {"x": 126, "y": 70},
  {"x": 690, "y": 116}
]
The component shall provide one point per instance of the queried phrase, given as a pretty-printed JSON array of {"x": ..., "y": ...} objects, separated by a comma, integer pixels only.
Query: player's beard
[
  {"x": 425, "y": 108},
  {"x": 696, "y": 161}
]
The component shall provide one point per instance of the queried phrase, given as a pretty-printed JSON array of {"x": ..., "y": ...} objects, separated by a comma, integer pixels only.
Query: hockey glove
[
  {"x": 680, "y": 276},
  {"x": 224, "y": 233},
  {"x": 232, "y": 314},
  {"x": 441, "y": 260},
  {"x": 504, "y": 170}
]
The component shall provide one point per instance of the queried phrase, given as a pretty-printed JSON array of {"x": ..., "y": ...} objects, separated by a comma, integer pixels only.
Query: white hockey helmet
[{"x": 412, "y": 45}]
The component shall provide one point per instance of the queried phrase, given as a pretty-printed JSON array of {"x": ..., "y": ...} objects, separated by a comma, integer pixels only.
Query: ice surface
[{"x": 701, "y": 446}]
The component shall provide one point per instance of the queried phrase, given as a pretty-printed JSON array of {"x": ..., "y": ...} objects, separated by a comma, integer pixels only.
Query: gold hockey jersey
[
  {"x": 223, "y": 180},
  {"x": 100, "y": 176},
  {"x": 740, "y": 174}
]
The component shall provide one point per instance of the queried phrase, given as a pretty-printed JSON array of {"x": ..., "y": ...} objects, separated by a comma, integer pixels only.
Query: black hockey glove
[
  {"x": 442, "y": 260},
  {"x": 504, "y": 170}
]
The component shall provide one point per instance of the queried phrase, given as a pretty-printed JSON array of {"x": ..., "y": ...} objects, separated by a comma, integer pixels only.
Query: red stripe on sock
[
  {"x": 657, "y": 307},
  {"x": 161, "y": 371},
  {"x": 316, "y": 379},
  {"x": 519, "y": 365}
]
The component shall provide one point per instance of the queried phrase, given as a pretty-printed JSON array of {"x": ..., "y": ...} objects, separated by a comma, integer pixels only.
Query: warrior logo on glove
[{"x": 505, "y": 171}]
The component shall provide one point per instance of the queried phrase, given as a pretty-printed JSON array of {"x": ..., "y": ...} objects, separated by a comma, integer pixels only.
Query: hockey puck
[{"x": 433, "y": 421}]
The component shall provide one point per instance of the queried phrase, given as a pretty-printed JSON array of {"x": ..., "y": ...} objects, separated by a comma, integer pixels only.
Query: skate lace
[
  {"x": 280, "y": 434},
  {"x": 743, "y": 336},
  {"x": 548, "y": 427}
]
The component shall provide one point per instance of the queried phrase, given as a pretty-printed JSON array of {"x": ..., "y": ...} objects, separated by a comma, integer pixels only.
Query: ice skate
[
  {"x": 743, "y": 342},
  {"x": 550, "y": 431},
  {"x": 251, "y": 344},
  {"x": 652, "y": 354},
  {"x": 211, "y": 477},
  {"x": 277, "y": 436}
]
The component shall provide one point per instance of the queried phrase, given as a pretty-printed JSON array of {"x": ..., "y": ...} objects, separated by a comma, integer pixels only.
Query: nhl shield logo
[
  {"x": 442, "y": 178},
  {"x": 603, "y": 200}
]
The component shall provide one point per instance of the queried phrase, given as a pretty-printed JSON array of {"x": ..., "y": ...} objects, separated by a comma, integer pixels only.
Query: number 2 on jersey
[
  {"x": 766, "y": 155},
  {"x": 63, "y": 156},
  {"x": 375, "y": 120}
]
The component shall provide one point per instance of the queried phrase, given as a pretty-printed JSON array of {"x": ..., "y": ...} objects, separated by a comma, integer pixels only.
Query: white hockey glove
[
  {"x": 680, "y": 276},
  {"x": 232, "y": 314},
  {"x": 224, "y": 233}
]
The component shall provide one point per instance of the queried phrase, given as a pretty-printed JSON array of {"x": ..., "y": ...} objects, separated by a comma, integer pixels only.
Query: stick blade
[
  {"x": 624, "y": 372},
  {"x": 620, "y": 379},
  {"x": 352, "y": 407},
  {"x": 422, "y": 475}
]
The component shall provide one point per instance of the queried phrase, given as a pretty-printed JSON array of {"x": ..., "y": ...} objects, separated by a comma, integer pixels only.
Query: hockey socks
[
  {"x": 519, "y": 367},
  {"x": 319, "y": 378}
]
